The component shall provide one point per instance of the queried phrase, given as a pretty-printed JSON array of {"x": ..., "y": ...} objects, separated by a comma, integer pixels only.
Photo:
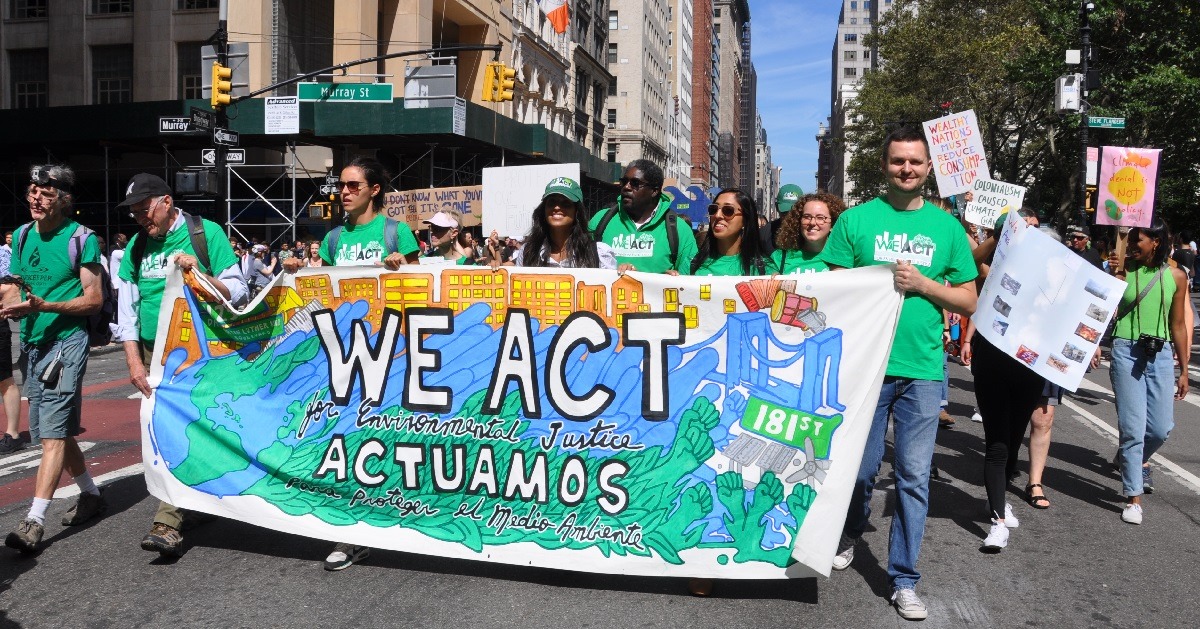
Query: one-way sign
[
  {"x": 225, "y": 137},
  {"x": 208, "y": 157}
]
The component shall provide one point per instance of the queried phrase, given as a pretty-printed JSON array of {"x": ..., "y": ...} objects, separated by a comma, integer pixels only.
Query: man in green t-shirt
[
  {"x": 934, "y": 269},
  {"x": 166, "y": 237},
  {"x": 56, "y": 262},
  {"x": 637, "y": 228}
]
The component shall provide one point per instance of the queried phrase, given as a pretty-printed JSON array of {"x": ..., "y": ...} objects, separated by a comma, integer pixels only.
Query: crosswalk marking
[
  {"x": 73, "y": 490},
  {"x": 30, "y": 459}
]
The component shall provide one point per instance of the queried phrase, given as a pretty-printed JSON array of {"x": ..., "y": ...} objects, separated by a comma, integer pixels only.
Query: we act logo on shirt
[
  {"x": 917, "y": 249},
  {"x": 356, "y": 254},
  {"x": 640, "y": 245},
  {"x": 155, "y": 265}
]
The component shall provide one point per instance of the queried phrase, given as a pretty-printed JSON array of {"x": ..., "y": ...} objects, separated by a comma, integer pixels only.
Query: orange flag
[{"x": 557, "y": 13}]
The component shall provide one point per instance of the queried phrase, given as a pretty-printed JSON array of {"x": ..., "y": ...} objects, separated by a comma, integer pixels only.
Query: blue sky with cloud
[{"x": 791, "y": 47}]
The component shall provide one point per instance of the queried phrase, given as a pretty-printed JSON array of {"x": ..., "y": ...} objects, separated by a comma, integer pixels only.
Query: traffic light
[
  {"x": 222, "y": 85},
  {"x": 505, "y": 80},
  {"x": 489, "y": 82}
]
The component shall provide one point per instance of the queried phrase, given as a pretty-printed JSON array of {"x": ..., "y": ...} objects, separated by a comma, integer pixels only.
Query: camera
[
  {"x": 50, "y": 375},
  {"x": 1152, "y": 345}
]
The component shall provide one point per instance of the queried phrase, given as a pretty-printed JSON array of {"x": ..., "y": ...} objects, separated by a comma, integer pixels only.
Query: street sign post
[
  {"x": 208, "y": 157},
  {"x": 1101, "y": 122},
  {"x": 202, "y": 119},
  {"x": 175, "y": 125},
  {"x": 225, "y": 137},
  {"x": 344, "y": 92}
]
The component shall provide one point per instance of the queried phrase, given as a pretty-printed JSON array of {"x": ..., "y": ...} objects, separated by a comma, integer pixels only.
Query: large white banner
[{"x": 1044, "y": 305}]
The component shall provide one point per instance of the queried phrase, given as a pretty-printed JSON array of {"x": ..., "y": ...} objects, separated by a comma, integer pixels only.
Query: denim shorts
[{"x": 54, "y": 412}]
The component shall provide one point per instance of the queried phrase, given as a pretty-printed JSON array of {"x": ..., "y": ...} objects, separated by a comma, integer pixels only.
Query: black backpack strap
[
  {"x": 598, "y": 235},
  {"x": 195, "y": 226},
  {"x": 673, "y": 235},
  {"x": 137, "y": 250},
  {"x": 22, "y": 236}
]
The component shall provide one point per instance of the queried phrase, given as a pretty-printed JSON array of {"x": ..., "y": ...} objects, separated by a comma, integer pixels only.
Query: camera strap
[{"x": 1121, "y": 312}]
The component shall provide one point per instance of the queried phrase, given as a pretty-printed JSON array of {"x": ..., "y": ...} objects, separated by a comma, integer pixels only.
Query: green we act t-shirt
[
  {"x": 151, "y": 274},
  {"x": 364, "y": 245},
  {"x": 44, "y": 262},
  {"x": 647, "y": 248},
  {"x": 790, "y": 261},
  {"x": 932, "y": 240},
  {"x": 732, "y": 266}
]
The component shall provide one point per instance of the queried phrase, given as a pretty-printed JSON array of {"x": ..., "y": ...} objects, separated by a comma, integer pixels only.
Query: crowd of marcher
[{"x": 52, "y": 272}]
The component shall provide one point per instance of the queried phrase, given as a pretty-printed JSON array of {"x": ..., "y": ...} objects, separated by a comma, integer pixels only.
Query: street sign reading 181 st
[
  {"x": 1100, "y": 122},
  {"x": 345, "y": 92}
]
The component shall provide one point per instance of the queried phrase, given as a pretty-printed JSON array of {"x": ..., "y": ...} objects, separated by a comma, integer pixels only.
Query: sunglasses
[
  {"x": 634, "y": 184},
  {"x": 352, "y": 186},
  {"x": 12, "y": 279},
  {"x": 728, "y": 211}
]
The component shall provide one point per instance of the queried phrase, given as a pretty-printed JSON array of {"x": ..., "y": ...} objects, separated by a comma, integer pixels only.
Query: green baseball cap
[
  {"x": 787, "y": 197},
  {"x": 565, "y": 186}
]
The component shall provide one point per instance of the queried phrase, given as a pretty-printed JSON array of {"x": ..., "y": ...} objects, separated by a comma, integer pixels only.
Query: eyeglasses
[
  {"x": 352, "y": 186},
  {"x": 728, "y": 211},
  {"x": 634, "y": 184},
  {"x": 134, "y": 213},
  {"x": 816, "y": 220},
  {"x": 1078, "y": 237}
]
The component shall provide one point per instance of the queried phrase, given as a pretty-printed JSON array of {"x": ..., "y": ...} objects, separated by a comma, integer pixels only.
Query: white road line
[
  {"x": 73, "y": 490},
  {"x": 1190, "y": 481},
  {"x": 1191, "y": 397},
  {"x": 30, "y": 459}
]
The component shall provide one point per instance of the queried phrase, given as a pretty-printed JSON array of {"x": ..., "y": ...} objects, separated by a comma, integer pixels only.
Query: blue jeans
[
  {"x": 914, "y": 406},
  {"x": 1145, "y": 390}
]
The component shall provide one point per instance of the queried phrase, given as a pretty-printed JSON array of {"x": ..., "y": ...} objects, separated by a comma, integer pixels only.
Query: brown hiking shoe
[
  {"x": 163, "y": 540},
  {"x": 88, "y": 506},
  {"x": 945, "y": 420},
  {"x": 27, "y": 537}
]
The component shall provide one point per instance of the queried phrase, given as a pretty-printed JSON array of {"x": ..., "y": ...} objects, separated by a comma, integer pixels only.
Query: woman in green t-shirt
[
  {"x": 1151, "y": 321},
  {"x": 732, "y": 246},
  {"x": 802, "y": 234}
]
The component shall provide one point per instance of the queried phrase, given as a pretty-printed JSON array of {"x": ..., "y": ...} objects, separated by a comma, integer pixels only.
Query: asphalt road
[{"x": 1073, "y": 565}]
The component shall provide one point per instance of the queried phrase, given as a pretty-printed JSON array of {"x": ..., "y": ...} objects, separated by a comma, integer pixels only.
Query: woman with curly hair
[{"x": 802, "y": 234}]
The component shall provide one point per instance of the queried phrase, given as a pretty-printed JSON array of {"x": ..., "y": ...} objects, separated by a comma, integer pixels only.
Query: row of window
[
  {"x": 39, "y": 9},
  {"x": 112, "y": 75}
]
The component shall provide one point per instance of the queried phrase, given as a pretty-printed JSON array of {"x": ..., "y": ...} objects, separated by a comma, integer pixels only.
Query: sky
[{"x": 791, "y": 43}]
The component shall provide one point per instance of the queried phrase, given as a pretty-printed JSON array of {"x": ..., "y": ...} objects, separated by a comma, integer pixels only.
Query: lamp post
[{"x": 1085, "y": 31}]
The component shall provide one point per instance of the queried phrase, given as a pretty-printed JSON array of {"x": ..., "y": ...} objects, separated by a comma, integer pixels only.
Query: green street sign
[
  {"x": 345, "y": 92},
  {"x": 1099, "y": 122}
]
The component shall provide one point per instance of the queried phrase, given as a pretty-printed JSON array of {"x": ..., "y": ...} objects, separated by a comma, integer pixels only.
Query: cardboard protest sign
[
  {"x": 990, "y": 199},
  {"x": 957, "y": 152},
  {"x": 575, "y": 419},
  {"x": 1127, "y": 184},
  {"x": 414, "y": 206},
  {"x": 1044, "y": 305},
  {"x": 511, "y": 193}
]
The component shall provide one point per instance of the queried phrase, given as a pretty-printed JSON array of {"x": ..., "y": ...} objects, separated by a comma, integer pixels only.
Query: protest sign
[
  {"x": 576, "y": 419},
  {"x": 511, "y": 193},
  {"x": 991, "y": 199},
  {"x": 1044, "y": 305},
  {"x": 414, "y": 206},
  {"x": 957, "y": 152},
  {"x": 1127, "y": 183}
]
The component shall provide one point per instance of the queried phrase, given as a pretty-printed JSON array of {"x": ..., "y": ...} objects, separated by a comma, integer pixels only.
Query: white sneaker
[
  {"x": 845, "y": 554},
  {"x": 997, "y": 538},
  {"x": 909, "y": 605},
  {"x": 1010, "y": 520},
  {"x": 976, "y": 417},
  {"x": 1132, "y": 513}
]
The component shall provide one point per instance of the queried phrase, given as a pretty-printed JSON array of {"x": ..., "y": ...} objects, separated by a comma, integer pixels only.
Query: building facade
[
  {"x": 730, "y": 21},
  {"x": 637, "y": 56},
  {"x": 706, "y": 86},
  {"x": 679, "y": 114}
]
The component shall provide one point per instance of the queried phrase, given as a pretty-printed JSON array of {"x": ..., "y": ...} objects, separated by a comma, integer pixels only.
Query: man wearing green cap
[{"x": 788, "y": 195}]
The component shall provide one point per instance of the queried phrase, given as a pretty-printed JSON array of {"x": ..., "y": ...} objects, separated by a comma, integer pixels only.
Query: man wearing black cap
[
  {"x": 191, "y": 243},
  {"x": 56, "y": 262},
  {"x": 1077, "y": 240}
]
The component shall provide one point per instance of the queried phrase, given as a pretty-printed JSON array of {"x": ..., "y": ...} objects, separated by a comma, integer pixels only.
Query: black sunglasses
[
  {"x": 728, "y": 211},
  {"x": 634, "y": 184},
  {"x": 352, "y": 186}
]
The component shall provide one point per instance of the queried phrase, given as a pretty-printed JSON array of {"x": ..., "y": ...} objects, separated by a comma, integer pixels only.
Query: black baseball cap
[{"x": 142, "y": 187}]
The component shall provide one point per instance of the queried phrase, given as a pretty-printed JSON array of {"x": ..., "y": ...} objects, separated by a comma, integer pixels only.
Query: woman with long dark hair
[
  {"x": 802, "y": 234},
  {"x": 559, "y": 236},
  {"x": 1151, "y": 322},
  {"x": 732, "y": 246}
]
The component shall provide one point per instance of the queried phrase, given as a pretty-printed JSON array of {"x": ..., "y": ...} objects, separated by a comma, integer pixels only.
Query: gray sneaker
[
  {"x": 345, "y": 555},
  {"x": 909, "y": 605},
  {"x": 9, "y": 444},
  {"x": 845, "y": 553},
  {"x": 88, "y": 506},
  {"x": 27, "y": 537}
]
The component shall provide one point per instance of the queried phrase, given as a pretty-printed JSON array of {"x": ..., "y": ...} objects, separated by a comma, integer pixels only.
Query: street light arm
[{"x": 342, "y": 66}]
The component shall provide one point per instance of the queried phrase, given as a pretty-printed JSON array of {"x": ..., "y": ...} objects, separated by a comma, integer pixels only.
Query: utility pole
[
  {"x": 1085, "y": 30},
  {"x": 221, "y": 43}
]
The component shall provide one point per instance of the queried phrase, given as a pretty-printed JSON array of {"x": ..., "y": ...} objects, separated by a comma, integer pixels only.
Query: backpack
[
  {"x": 672, "y": 223},
  {"x": 391, "y": 237},
  {"x": 195, "y": 226},
  {"x": 97, "y": 324},
  {"x": 74, "y": 246}
]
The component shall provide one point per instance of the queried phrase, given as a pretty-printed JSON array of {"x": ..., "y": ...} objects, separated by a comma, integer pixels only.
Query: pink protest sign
[{"x": 1127, "y": 177}]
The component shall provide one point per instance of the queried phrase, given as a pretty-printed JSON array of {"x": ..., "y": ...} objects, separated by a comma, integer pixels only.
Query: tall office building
[
  {"x": 706, "y": 86},
  {"x": 679, "y": 109},
  {"x": 637, "y": 56},
  {"x": 730, "y": 19}
]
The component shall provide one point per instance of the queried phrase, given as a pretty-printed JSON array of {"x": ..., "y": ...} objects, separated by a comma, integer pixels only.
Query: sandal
[{"x": 1037, "y": 502}]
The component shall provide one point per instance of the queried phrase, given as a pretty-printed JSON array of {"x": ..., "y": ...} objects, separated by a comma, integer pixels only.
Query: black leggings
[{"x": 1007, "y": 393}]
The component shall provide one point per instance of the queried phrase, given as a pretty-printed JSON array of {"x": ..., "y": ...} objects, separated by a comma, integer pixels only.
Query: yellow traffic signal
[
  {"x": 505, "y": 80},
  {"x": 489, "y": 82},
  {"x": 222, "y": 85}
]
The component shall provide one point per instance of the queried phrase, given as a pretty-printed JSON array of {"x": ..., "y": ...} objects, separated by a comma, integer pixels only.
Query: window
[
  {"x": 717, "y": 12},
  {"x": 581, "y": 91},
  {"x": 866, "y": 20},
  {"x": 612, "y": 117},
  {"x": 866, "y": 54},
  {"x": 716, "y": 29},
  {"x": 850, "y": 37},
  {"x": 30, "y": 75},
  {"x": 191, "y": 76},
  {"x": 854, "y": 5},
  {"x": 103, "y": 7},
  {"x": 199, "y": 4},
  {"x": 850, "y": 55},
  {"x": 612, "y": 20},
  {"x": 849, "y": 72},
  {"x": 866, "y": 5},
  {"x": 612, "y": 53},
  {"x": 612, "y": 154},
  {"x": 612, "y": 87},
  {"x": 112, "y": 74},
  {"x": 854, "y": 20},
  {"x": 28, "y": 9}
]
